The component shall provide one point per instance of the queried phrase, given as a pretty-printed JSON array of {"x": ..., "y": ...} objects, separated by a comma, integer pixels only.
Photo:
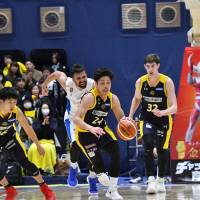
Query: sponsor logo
[
  {"x": 153, "y": 99},
  {"x": 99, "y": 113},
  {"x": 187, "y": 166}
]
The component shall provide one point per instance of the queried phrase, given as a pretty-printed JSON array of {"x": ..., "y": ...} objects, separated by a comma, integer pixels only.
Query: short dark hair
[
  {"x": 20, "y": 79},
  {"x": 8, "y": 56},
  {"x": 30, "y": 60},
  {"x": 8, "y": 93},
  {"x": 100, "y": 72},
  {"x": 77, "y": 68},
  {"x": 150, "y": 58},
  {"x": 47, "y": 67}
]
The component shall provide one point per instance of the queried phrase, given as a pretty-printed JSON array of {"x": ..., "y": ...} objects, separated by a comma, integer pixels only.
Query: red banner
[{"x": 185, "y": 140}]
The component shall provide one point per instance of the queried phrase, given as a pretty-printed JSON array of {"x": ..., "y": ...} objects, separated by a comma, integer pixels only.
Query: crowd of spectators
[{"x": 44, "y": 114}]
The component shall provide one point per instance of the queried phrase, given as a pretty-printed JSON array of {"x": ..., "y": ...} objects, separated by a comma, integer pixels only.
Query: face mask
[
  {"x": 27, "y": 105},
  {"x": 45, "y": 111},
  {"x": 1, "y": 78}
]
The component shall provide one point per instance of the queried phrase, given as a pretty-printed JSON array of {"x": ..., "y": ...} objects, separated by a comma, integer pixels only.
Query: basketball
[{"x": 126, "y": 129}]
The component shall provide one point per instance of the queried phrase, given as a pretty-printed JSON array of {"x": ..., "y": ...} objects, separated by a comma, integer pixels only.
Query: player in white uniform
[{"x": 75, "y": 87}]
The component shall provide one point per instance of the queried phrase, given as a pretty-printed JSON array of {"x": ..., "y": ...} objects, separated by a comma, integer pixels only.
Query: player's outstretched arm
[
  {"x": 136, "y": 99},
  {"x": 116, "y": 108},
  {"x": 29, "y": 131},
  {"x": 61, "y": 77},
  {"x": 87, "y": 103}
]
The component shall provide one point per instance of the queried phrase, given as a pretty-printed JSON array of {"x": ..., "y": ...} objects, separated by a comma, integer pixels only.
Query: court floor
[{"x": 129, "y": 192}]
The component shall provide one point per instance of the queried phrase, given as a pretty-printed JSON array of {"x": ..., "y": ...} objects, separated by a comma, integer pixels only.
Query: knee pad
[{"x": 103, "y": 179}]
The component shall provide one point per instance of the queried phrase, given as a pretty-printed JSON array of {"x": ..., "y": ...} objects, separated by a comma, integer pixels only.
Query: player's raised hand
[{"x": 97, "y": 131}]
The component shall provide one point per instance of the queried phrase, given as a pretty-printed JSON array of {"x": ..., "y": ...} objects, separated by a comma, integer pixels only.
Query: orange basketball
[{"x": 126, "y": 129}]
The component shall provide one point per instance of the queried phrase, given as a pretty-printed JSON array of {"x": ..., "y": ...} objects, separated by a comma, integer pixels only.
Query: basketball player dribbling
[
  {"x": 93, "y": 134},
  {"x": 156, "y": 94},
  {"x": 10, "y": 141}
]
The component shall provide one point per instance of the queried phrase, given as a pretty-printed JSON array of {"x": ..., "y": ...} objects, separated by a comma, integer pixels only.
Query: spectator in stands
[
  {"x": 13, "y": 73},
  {"x": 20, "y": 85},
  {"x": 44, "y": 126},
  {"x": 30, "y": 113},
  {"x": 35, "y": 92},
  {"x": 57, "y": 65},
  {"x": 32, "y": 75},
  {"x": 28, "y": 108},
  {"x": 3, "y": 82},
  {"x": 52, "y": 87},
  {"x": 8, "y": 60}
]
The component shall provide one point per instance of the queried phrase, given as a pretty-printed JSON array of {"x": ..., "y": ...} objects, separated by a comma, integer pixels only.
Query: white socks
[
  {"x": 74, "y": 165},
  {"x": 92, "y": 174}
]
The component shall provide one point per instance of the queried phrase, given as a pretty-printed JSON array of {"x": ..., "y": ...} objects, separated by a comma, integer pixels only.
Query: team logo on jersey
[
  {"x": 103, "y": 106},
  {"x": 71, "y": 89},
  {"x": 4, "y": 124},
  {"x": 152, "y": 92}
]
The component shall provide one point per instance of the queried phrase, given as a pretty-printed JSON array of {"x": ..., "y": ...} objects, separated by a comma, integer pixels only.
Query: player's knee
[{"x": 31, "y": 168}]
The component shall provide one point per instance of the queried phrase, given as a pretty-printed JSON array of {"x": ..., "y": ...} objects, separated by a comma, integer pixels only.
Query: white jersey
[{"x": 74, "y": 94}]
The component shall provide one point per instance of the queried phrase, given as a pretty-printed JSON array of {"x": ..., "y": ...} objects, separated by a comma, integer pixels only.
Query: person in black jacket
[{"x": 45, "y": 126}]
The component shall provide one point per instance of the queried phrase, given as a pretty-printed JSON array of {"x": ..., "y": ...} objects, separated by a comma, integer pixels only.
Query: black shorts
[
  {"x": 161, "y": 135},
  {"x": 89, "y": 143}
]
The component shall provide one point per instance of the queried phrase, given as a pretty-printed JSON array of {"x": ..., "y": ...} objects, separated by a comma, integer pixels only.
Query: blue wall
[{"x": 94, "y": 38}]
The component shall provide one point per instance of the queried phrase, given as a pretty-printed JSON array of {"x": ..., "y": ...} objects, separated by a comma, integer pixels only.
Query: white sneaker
[
  {"x": 114, "y": 195},
  {"x": 103, "y": 179},
  {"x": 136, "y": 180},
  {"x": 151, "y": 187},
  {"x": 160, "y": 185}
]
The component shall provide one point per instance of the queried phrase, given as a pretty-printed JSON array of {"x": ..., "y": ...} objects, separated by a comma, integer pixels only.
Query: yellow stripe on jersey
[
  {"x": 141, "y": 125},
  {"x": 142, "y": 80},
  {"x": 166, "y": 144},
  {"x": 109, "y": 131}
]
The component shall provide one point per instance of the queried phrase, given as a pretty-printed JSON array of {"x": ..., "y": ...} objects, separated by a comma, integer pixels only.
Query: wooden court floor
[{"x": 129, "y": 192}]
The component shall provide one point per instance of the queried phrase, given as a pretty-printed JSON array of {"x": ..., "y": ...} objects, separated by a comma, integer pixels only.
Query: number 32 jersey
[{"x": 154, "y": 98}]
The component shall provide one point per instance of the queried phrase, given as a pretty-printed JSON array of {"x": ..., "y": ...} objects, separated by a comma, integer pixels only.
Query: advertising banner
[{"x": 185, "y": 140}]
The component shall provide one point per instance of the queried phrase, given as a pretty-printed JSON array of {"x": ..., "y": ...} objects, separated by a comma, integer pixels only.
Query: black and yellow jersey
[
  {"x": 154, "y": 98},
  {"x": 96, "y": 115},
  {"x": 7, "y": 127}
]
